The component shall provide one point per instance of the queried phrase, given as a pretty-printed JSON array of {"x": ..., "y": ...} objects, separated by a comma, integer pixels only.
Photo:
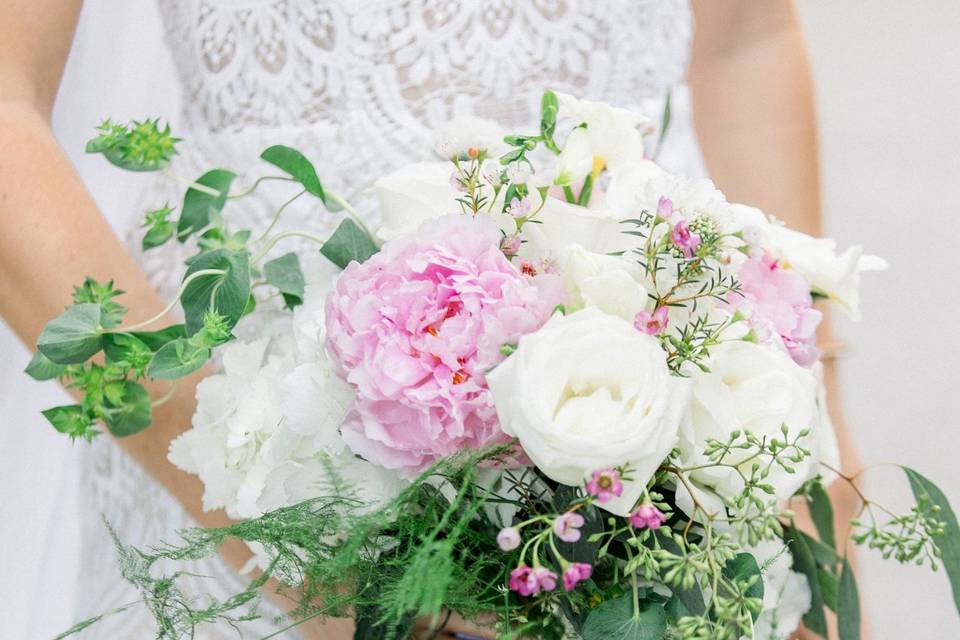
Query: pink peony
[
  {"x": 779, "y": 302},
  {"x": 415, "y": 328}
]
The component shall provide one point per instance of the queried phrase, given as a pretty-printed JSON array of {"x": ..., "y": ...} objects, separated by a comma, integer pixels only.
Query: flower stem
[{"x": 186, "y": 281}]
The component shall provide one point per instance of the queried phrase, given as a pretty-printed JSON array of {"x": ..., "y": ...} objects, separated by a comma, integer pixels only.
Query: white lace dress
[{"x": 359, "y": 86}]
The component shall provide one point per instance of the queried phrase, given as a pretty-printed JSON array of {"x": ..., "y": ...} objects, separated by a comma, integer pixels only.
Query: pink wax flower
[
  {"x": 652, "y": 323},
  {"x": 779, "y": 302},
  {"x": 665, "y": 208},
  {"x": 576, "y": 572},
  {"x": 414, "y": 329},
  {"x": 529, "y": 582},
  {"x": 546, "y": 579},
  {"x": 647, "y": 516},
  {"x": 509, "y": 538},
  {"x": 605, "y": 484},
  {"x": 684, "y": 239},
  {"x": 567, "y": 526},
  {"x": 520, "y": 207}
]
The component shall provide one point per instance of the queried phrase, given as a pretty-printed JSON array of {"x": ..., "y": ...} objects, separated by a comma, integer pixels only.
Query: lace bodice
[{"x": 359, "y": 87}]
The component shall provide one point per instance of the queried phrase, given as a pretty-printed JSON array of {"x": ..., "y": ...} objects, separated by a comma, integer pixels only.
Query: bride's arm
[
  {"x": 51, "y": 234},
  {"x": 754, "y": 115}
]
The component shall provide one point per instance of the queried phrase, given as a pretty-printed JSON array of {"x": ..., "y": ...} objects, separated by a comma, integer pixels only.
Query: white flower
[
  {"x": 589, "y": 392},
  {"x": 749, "y": 387},
  {"x": 786, "y": 593},
  {"x": 519, "y": 172},
  {"x": 463, "y": 133},
  {"x": 563, "y": 224},
  {"x": 834, "y": 275},
  {"x": 420, "y": 192},
  {"x": 611, "y": 138},
  {"x": 613, "y": 284}
]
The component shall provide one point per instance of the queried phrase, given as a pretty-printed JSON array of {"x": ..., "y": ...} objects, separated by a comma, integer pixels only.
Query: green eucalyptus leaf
[
  {"x": 348, "y": 244},
  {"x": 72, "y": 420},
  {"x": 286, "y": 275},
  {"x": 226, "y": 293},
  {"x": 177, "y": 359},
  {"x": 128, "y": 409},
  {"x": 829, "y": 586},
  {"x": 949, "y": 542},
  {"x": 848, "y": 605},
  {"x": 41, "y": 368},
  {"x": 616, "y": 620},
  {"x": 126, "y": 349},
  {"x": 296, "y": 164},
  {"x": 74, "y": 335},
  {"x": 198, "y": 206},
  {"x": 805, "y": 563},
  {"x": 821, "y": 510},
  {"x": 156, "y": 339}
]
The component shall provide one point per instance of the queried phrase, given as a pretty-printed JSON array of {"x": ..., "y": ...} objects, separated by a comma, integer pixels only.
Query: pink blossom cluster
[{"x": 414, "y": 329}]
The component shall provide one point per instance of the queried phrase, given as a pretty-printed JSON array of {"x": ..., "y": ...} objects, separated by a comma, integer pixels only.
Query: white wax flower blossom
[
  {"x": 613, "y": 284},
  {"x": 589, "y": 392},
  {"x": 836, "y": 276},
  {"x": 747, "y": 387},
  {"x": 420, "y": 192},
  {"x": 463, "y": 133},
  {"x": 611, "y": 138}
]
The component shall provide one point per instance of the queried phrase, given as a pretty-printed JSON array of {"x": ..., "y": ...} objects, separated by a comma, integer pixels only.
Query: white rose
[
  {"x": 417, "y": 193},
  {"x": 834, "y": 275},
  {"x": 597, "y": 230},
  {"x": 589, "y": 392},
  {"x": 749, "y": 387},
  {"x": 613, "y": 284}
]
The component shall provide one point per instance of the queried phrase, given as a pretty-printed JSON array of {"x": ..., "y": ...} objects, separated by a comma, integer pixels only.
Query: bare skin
[{"x": 759, "y": 142}]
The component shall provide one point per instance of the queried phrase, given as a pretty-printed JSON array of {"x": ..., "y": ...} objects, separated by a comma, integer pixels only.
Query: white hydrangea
[{"x": 786, "y": 593}]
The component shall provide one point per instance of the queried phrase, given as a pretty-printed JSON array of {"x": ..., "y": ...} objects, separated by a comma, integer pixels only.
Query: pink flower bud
[
  {"x": 567, "y": 526},
  {"x": 509, "y": 538}
]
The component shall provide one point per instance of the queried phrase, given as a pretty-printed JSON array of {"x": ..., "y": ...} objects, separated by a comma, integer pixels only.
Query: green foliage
[
  {"x": 176, "y": 359},
  {"x": 286, "y": 275},
  {"x": 548, "y": 119},
  {"x": 42, "y": 368},
  {"x": 139, "y": 146},
  {"x": 348, "y": 244},
  {"x": 159, "y": 227},
  {"x": 947, "y": 533},
  {"x": 156, "y": 339},
  {"x": 127, "y": 350},
  {"x": 821, "y": 511},
  {"x": 296, "y": 164},
  {"x": 200, "y": 204},
  {"x": 619, "y": 619},
  {"x": 848, "y": 605},
  {"x": 74, "y": 335},
  {"x": 72, "y": 420},
  {"x": 804, "y": 562},
  {"x": 225, "y": 292},
  {"x": 126, "y": 408}
]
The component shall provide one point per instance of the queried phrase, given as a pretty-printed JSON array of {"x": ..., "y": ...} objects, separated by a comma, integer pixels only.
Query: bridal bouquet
[{"x": 560, "y": 391}]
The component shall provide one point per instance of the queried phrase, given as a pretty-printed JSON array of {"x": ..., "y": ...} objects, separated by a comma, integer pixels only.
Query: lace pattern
[{"x": 358, "y": 87}]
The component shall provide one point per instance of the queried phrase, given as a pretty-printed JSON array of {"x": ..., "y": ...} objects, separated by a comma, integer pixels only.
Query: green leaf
[
  {"x": 128, "y": 411},
  {"x": 805, "y": 563},
  {"x": 71, "y": 419},
  {"x": 226, "y": 293},
  {"x": 177, "y": 359},
  {"x": 126, "y": 349},
  {"x": 41, "y": 368},
  {"x": 156, "y": 339},
  {"x": 821, "y": 510},
  {"x": 743, "y": 568},
  {"x": 829, "y": 586},
  {"x": 616, "y": 620},
  {"x": 949, "y": 543},
  {"x": 111, "y": 311},
  {"x": 347, "y": 244},
  {"x": 548, "y": 116},
  {"x": 139, "y": 146},
  {"x": 198, "y": 205},
  {"x": 848, "y": 605},
  {"x": 74, "y": 335},
  {"x": 158, "y": 234},
  {"x": 286, "y": 275},
  {"x": 296, "y": 164}
]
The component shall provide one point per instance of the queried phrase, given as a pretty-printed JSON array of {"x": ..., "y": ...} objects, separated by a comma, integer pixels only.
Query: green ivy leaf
[
  {"x": 805, "y": 563},
  {"x": 225, "y": 293},
  {"x": 848, "y": 605},
  {"x": 949, "y": 543},
  {"x": 286, "y": 275},
  {"x": 74, "y": 335},
  {"x": 127, "y": 409},
  {"x": 615, "y": 619},
  {"x": 198, "y": 205},
  {"x": 347, "y": 244},
  {"x": 821, "y": 510},
  {"x": 126, "y": 350},
  {"x": 296, "y": 164},
  {"x": 156, "y": 339},
  {"x": 177, "y": 359},
  {"x": 41, "y": 368},
  {"x": 73, "y": 420}
]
